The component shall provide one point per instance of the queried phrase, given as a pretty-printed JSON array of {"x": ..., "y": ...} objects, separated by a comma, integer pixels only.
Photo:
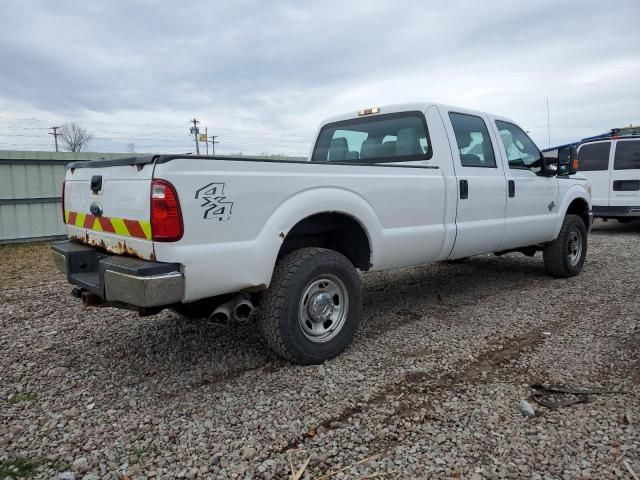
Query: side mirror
[{"x": 567, "y": 160}]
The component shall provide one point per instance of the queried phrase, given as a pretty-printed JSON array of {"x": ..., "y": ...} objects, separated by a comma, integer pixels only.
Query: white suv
[{"x": 612, "y": 166}]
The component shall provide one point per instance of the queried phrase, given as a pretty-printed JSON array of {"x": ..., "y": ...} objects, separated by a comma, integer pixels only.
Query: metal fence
[{"x": 30, "y": 186}]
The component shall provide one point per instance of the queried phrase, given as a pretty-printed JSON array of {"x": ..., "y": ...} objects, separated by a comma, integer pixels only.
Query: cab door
[
  {"x": 532, "y": 197},
  {"x": 482, "y": 191}
]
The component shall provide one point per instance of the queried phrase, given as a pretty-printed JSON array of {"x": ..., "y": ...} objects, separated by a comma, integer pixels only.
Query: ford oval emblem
[{"x": 95, "y": 209}]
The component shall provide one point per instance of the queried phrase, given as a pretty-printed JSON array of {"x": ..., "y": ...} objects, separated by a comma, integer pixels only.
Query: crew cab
[{"x": 386, "y": 187}]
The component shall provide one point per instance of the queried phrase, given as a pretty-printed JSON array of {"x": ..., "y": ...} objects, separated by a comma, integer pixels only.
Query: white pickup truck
[{"x": 383, "y": 188}]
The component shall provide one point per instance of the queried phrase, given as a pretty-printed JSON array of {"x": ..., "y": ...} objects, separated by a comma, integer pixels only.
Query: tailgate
[{"x": 108, "y": 207}]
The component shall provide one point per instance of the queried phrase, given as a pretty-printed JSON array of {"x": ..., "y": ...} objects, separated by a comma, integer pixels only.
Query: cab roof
[{"x": 406, "y": 107}]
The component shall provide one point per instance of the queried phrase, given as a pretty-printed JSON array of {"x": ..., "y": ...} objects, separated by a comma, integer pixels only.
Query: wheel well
[
  {"x": 581, "y": 208},
  {"x": 335, "y": 231}
]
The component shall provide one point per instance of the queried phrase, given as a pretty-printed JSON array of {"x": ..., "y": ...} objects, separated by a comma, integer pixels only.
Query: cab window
[
  {"x": 521, "y": 151},
  {"x": 394, "y": 137},
  {"x": 472, "y": 137}
]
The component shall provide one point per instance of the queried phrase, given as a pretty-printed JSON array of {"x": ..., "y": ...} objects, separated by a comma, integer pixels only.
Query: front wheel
[
  {"x": 564, "y": 257},
  {"x": 311, "y": 310}
]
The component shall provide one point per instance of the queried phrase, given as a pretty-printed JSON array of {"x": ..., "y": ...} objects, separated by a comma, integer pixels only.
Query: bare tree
[
  {"x": 74, "y": 138},
  {"x": 131, "y": 147}
]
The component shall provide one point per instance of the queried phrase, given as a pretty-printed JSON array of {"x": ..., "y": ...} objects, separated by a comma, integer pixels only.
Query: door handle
[
  {"x": 512, "y": 188},
  {"x": 464, "y": 189}
]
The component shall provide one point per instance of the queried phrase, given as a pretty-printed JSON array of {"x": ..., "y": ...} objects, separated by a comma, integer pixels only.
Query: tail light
[
  {"x": 64, "y": 217},
  {"x": 166, "y": 218}
]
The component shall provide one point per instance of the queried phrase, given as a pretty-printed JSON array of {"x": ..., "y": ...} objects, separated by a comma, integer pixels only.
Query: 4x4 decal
[{"x": 214, "y": 202}]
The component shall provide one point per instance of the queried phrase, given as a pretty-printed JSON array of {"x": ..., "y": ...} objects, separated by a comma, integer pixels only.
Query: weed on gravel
[{"x": 18, "y": 468}]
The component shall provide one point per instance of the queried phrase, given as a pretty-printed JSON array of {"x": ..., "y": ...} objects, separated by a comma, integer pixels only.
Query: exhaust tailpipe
[
  {"x": 239, "y": 308},
  {"x": 222, "y": 314},
  {"x": 243, "y": 308}
]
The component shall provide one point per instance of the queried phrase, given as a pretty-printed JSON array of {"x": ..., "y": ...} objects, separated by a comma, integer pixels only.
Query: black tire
[
  {"x": 281, "y": 305},
  {"x": 625, "y": 220},
  {"x": 561, "y": 258}
]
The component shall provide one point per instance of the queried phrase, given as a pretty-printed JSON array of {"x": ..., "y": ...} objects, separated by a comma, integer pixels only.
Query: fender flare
[
  {"x": 575, "y": 192},
  {"x": 313, "y": 201}
]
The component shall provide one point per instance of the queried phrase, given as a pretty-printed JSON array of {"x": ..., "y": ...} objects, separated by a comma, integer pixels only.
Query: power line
[
  {"x": 160, "y": 143},
  {"x": 89, "y": 122},
  {"x": 175, "y": 126},
  {"x": 237, "y": 137},
  {"x": 157, "y": 140},
  {"x": 55, "y": 135},
  {"x": 171, "y": 149}
]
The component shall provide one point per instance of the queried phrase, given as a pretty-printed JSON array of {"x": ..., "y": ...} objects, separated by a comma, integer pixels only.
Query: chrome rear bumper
[{"x": 119, "y": 279}]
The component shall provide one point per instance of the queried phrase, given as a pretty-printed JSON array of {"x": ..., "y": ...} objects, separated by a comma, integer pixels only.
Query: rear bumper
[{"x": 119, "y": 279}]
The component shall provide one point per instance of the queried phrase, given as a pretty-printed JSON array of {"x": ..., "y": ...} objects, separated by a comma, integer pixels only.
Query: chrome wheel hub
[
  {"x": 320, "y": 307},
  {"x": 323, "y": 308}
]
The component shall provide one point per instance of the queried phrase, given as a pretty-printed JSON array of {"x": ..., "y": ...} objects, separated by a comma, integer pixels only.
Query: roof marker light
[{"x": 369, "y": 111}]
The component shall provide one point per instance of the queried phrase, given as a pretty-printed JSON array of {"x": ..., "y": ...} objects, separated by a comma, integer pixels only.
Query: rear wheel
[
  {"x": 565, "y": 256},
  {"x": 311, "y": 311}
]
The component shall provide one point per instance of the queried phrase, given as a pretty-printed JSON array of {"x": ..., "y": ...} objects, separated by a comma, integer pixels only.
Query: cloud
[{"x": 263, "y": 74}]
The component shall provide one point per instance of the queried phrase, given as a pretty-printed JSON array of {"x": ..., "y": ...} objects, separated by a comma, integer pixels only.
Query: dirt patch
[{"x": 25, "y": 265}]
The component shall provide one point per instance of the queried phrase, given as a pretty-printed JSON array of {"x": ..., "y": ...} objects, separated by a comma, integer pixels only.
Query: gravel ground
[{"x": 430, "y": 387}]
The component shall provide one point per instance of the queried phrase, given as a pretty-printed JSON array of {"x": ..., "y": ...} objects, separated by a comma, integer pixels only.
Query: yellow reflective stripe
[
  {"x": 146, "y": 228},
  {"x": 120, "y": 227},
  {"x": 96, "y": 226},
  {"x": 80, "y": 219}
]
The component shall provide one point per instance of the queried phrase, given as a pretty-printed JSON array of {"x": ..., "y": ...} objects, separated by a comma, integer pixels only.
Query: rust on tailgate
[{"x": 119, "y": 248}]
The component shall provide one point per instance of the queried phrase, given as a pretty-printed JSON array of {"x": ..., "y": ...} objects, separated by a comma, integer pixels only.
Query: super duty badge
[{"x": 214, "y": 202}]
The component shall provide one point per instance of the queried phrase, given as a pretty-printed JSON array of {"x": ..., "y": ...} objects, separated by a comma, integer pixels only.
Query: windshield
[{"x": 394, "y": 137}]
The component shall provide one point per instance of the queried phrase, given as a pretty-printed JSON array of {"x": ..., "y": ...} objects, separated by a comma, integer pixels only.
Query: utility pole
[
  {"x": 195, "y": 131},
  {"x": 55, "y": 135},
  {"x": 213, "y": 144},
  {"x": 206, "y": 132}
]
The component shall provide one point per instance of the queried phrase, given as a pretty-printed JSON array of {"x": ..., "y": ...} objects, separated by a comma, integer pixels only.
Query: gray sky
[{"x": 262, "y": 75}]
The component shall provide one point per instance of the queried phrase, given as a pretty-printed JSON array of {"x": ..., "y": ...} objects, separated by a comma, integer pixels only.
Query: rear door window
[
  {"x": 472, "y": 137},
  {"x": 627, "y": 156},
  {"x": 594, "y": 157},
  {"x": 394, "y": 137}
]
